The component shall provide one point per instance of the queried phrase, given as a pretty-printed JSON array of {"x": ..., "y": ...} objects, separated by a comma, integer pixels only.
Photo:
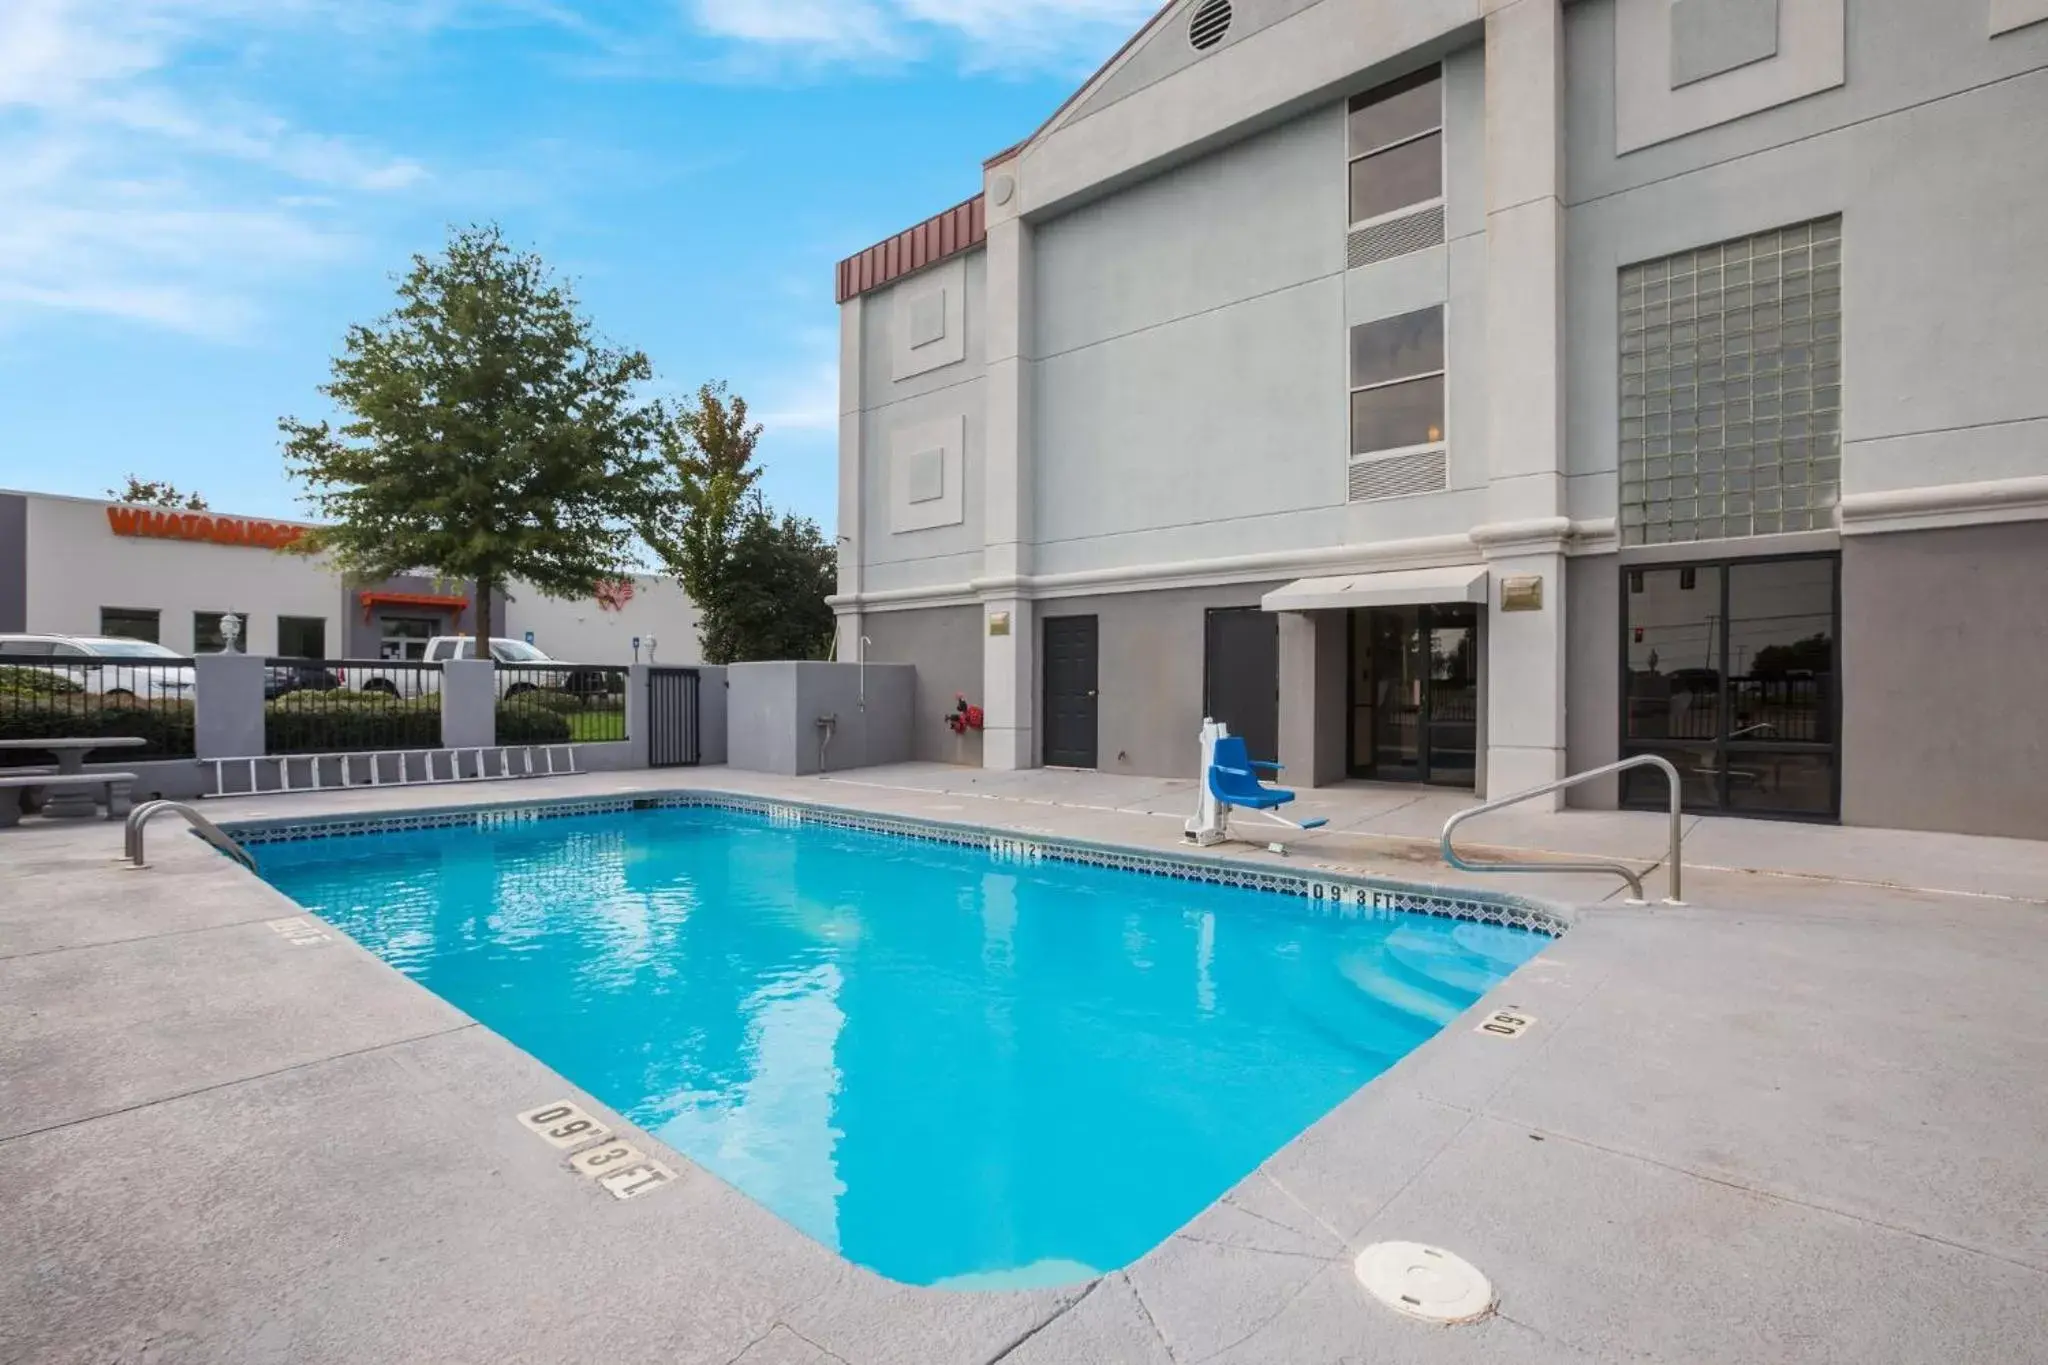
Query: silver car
[{"x": 104, "y": 665}]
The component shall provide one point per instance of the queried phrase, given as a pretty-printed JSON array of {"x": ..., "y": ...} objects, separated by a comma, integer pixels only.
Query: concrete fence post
[
  {"x": 636, "y": 713},
  {"x": 227, "y": 706},
  {"x": 469, "y": 704}
]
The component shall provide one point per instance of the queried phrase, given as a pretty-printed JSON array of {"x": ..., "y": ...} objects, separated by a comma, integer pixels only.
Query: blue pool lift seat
[{"x": 1232, "y": 779}]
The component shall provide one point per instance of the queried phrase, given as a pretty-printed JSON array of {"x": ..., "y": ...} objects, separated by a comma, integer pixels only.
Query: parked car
[
  {"x": 280, "y": 679},
  {"x": 580, "y": 679},
  {"x": 104, "y": 665}
]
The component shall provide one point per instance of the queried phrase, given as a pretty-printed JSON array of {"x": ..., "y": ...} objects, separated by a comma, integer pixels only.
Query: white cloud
[
  {"x": 978, "y": 34},
  {"x": 136, "y": 190}
]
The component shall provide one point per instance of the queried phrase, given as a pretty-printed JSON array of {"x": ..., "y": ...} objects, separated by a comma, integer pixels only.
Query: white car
[
  {"x": 104, "y": 665},
  {"x": 444, "y": 648}
]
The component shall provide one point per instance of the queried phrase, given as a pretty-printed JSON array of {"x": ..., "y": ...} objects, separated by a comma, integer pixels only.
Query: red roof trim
[{"x": 960, "y": 228}]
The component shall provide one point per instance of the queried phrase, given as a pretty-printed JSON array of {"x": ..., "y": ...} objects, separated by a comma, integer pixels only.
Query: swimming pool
[{"x": 960, "y": 1066}]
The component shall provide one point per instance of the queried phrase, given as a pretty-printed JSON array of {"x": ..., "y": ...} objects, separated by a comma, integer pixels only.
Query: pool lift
[{"x": 1230, "y": 781}]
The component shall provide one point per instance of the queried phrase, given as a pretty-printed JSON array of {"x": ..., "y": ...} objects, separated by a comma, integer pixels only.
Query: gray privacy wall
[{"x": 773, "y": 711}]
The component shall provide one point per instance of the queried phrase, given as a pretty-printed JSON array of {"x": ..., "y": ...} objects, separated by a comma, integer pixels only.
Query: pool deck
[{"x": 1804, "y": 1118}]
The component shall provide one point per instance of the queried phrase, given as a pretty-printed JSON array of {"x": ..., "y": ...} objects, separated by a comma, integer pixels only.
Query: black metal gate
[{"x": 672, "y": 713}]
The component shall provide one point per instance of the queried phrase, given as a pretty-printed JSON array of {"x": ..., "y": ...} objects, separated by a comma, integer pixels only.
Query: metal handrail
[
  {"x": 205, "y": 828},
  {"x": 1627, "y": 874}
]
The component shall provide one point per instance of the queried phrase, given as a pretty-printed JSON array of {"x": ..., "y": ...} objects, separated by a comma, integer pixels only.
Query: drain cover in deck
[{"x": 1424, "y": 1282}]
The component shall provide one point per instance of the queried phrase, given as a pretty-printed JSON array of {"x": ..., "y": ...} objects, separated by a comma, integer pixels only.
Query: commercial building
[
  {"x": 1476, "y": 391},
  {"x": 76, "y": 566}
]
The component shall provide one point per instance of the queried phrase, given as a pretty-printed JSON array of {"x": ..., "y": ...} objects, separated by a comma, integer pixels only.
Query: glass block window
[{"x": 1731, "y": 388}]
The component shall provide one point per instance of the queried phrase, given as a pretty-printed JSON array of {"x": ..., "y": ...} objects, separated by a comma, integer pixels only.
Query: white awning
[{"x": 1396, "y": 588}]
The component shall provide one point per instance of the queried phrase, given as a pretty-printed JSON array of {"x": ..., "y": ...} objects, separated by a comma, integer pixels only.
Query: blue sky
[{"x": 198, "y": 196}]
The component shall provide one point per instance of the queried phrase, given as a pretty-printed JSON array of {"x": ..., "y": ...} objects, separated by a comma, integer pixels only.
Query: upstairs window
[
  {"x": 1731, "y": 388},
  {"x": 1397, "y": 383},
  {"x": 1397, "y": 147}
]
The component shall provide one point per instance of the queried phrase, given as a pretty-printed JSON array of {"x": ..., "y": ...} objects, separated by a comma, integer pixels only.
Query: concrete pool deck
[{"x": 1801, "y": 1119}]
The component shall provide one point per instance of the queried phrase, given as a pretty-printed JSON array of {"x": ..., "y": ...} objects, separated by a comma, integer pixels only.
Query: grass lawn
[{"x": 597, "y": 727}]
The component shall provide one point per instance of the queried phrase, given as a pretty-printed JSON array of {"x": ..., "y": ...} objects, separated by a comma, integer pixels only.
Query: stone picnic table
[{"x": 70, "y": 802}]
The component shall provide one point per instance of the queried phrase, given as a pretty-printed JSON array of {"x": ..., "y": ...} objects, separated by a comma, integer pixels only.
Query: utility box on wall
[{"x": 797, "y": 719}]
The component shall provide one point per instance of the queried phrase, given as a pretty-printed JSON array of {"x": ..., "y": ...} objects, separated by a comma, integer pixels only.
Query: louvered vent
[
  {"x": 1211, "y": 22},
  {"x": 1384, "y": 241},
  {"x": 1400, "y": 476}
]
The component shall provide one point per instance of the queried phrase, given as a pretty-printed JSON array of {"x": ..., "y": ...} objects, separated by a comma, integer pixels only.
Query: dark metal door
[
  {"x": 1241, "y": 676},
  {"x": 1070, "y": 687},
  {"x": 672, "y": 732}
]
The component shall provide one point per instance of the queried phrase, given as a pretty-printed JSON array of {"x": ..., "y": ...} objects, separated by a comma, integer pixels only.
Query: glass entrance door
[{"x": 1415, "y": 694}]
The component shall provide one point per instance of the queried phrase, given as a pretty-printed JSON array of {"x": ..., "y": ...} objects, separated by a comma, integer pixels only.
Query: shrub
[
  {"x": 561, "y": 703},
  {"x": 167, "y": 728},
  {"x": 519, "y": 724},
  {"x": 37, "y": 682},
  {"x": 314, "y": 727}
]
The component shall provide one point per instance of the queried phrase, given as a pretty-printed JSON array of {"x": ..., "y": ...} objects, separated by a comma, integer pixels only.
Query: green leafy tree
[
  {"x": 154, "y": 493},
  {"x": 769, "y": 602},
  {"x": 708, "y": 447},
  {"x": 759, "y": 581},
  {"x": 490, "y": 434}
]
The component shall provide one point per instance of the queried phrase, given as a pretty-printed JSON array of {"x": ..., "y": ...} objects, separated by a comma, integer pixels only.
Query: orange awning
[{"x": 433, "y": 601}]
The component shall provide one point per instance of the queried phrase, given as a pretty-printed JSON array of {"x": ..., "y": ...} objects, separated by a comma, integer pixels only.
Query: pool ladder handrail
[
  {"x": 1627, "y": 874},
  {"x": 203, "y": 827}
]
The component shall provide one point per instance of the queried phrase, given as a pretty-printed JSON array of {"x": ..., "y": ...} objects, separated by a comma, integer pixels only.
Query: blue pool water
[{"x": 951, "y": 1070}]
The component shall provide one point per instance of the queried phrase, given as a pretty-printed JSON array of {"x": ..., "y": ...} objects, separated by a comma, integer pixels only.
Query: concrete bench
[{"x": 113, "y": 786}]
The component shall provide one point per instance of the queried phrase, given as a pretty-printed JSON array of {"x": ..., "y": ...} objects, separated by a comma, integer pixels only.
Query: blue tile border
[{"x": 1338, "y": 892}]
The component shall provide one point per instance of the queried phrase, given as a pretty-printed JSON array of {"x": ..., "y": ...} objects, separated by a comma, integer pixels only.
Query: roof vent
[{"x": 1211, "y": 22}]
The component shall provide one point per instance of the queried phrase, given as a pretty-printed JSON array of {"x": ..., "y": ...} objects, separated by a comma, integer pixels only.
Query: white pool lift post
[{"x": 1230, "y": 781}]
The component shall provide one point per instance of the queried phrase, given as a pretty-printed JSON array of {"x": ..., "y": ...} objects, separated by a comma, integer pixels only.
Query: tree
[
  {"x": 769, "y": 602},
  {"x": 759, "y": 581},
  {"x": 152, "y": 493},
  {"x": 709, "y": 450},
  {"x": 491, "y": 434}
]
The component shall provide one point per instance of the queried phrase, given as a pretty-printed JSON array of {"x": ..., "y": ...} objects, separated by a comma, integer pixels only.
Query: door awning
[{"x": 1395, "y": 588}]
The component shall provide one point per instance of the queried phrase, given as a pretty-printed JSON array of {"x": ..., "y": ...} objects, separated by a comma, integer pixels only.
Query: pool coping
[{"x": 1346, "y": 892}]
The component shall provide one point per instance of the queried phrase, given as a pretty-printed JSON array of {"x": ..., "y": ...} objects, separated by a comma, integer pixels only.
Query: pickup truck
[{"x": 579, "y": 679}]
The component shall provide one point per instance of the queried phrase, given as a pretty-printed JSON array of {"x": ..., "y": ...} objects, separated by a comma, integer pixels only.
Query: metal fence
[
  {"x": 674, "y": 719},
  {"x": 561, "y": 703},
  {"x": 339, "y": 706},
  {"x": 110, "y": 698}
]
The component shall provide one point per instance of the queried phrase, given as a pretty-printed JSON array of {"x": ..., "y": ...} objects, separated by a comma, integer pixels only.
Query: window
[
  {"x": 129, "y": 623},
  {"x": 1397, "y": 383},
  {"x": 1730, "y": 674},
  {"x": 302, "y": 637},
  {"x": 1397, "y": 153},
  {"x": 26, "y": 649},
  {"x": 405, "y": 637},
  {"x": 1731, "y": 388},
  {"x": 209, "y": 638}
]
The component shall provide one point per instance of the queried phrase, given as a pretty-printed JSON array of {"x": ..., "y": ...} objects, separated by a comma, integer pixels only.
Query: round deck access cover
[{"x": 1424, "y": 1282}]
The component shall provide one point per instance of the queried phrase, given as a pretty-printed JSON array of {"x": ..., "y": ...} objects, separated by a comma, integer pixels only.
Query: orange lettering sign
[{"x": 202, "y": 526}]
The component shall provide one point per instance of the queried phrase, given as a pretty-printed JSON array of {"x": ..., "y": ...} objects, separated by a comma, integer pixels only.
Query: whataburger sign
[{"x": 202, "y": 526}]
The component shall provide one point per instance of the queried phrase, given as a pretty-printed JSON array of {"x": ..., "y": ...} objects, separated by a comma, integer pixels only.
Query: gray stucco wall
[
  {"x": 1932, "y": 153},
  {"x": 712, "y": 694},
  {"x": 773, "y": 709},
  {"x": 1944, "y": 648},
  {"x": 945, "y": 645},
  {"x": 1593, "y": 675},
  {"x": 891, "y": 559},
  {"x": 1149, "y": 674},
  {"x": 13, "y": 562},
  {"x": 1191, "y": 375}
]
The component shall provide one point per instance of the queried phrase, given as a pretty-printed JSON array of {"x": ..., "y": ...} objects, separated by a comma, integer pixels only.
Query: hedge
[
  {"x": 40, "y": 682},
  {"x": 355, "y": 727},
  {"x": 168, "y": 728},
  {"x": 523, "y": 725}
]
